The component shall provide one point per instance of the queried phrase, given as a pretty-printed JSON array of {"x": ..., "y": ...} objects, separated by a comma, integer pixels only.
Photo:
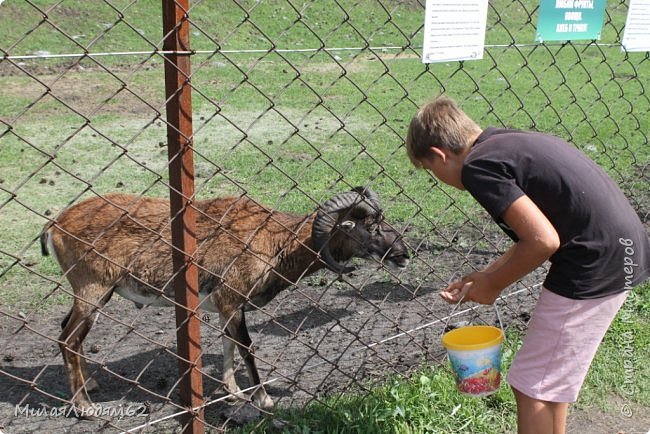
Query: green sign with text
[{"x": 565, "y": 20}]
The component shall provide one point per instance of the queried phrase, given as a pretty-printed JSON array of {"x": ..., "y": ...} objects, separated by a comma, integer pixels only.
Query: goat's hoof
[
  {"x": 235, "y": 395},
  {"x": 263, "y": 401}
]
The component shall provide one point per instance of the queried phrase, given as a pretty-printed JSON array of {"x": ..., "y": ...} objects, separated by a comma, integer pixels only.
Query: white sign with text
[
  {"x": 454, "y": 30},
  {"x": 637, "y": 26}
]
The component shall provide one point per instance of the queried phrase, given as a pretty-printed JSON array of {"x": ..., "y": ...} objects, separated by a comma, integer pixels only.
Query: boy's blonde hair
[{"x": 439, "y": 124}]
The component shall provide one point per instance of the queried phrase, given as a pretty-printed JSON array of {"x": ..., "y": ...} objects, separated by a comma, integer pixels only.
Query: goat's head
[{"x": 353, "y": 224}]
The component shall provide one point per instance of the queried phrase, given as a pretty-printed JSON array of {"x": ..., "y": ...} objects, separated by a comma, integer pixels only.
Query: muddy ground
[{"x": 320, "y": 338}]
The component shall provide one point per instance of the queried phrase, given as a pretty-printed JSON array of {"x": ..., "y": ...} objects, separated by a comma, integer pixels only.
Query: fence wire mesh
[{"x": 293, "y": 103}]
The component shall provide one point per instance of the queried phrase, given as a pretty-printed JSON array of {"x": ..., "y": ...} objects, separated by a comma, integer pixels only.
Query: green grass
[{"x": 425, "y": 402}]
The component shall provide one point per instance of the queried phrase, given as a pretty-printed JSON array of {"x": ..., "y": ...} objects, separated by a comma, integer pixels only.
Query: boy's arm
[{"x": 538, "y": 240}]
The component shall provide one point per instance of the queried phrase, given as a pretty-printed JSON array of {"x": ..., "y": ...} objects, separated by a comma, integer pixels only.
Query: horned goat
[{"x": 246, "y": 254}]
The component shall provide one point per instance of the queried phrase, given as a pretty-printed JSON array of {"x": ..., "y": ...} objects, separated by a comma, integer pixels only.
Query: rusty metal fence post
[{"x": 181, "y": 179}]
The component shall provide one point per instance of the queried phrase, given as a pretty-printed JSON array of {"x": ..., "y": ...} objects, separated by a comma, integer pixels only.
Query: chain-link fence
[{"x": 291, "y": 104}]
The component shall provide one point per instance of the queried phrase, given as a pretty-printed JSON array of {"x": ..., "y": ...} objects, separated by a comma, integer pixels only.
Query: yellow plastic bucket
[{"x": 475, "y": 356}]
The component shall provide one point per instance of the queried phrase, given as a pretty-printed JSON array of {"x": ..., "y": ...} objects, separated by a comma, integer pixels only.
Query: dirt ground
[
  {"x": 619, "y": 418},
  {"x": 319, "y": 338}
]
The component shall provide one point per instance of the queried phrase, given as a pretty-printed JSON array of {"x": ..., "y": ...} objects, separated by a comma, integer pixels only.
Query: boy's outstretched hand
[
  {"x": 475, "y": 287},
  {"x": 538, "y": 241}
]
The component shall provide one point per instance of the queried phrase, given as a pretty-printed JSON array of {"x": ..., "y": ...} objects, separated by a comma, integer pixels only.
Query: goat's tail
[{"x": 44, "y": 238}]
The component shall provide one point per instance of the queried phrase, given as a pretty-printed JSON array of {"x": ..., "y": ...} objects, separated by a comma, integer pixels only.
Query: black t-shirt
[{"x": 604, "y": 248}]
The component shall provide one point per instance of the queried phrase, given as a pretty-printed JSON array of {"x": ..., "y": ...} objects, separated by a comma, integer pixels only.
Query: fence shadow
[{"x": 151, "y": 369}]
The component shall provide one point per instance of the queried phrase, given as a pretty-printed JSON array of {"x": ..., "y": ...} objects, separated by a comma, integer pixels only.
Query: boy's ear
[{"x": 439, "y": 153}]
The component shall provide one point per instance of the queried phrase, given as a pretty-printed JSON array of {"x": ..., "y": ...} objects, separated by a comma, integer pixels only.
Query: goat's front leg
[{"x": 236, "y": 327}]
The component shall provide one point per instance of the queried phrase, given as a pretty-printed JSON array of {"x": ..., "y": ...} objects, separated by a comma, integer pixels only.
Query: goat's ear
[{"x": 347, "y": 225}]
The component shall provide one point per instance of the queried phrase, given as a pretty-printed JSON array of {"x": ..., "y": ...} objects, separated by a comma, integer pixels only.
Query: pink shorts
[{"x": 562, "y": 339}]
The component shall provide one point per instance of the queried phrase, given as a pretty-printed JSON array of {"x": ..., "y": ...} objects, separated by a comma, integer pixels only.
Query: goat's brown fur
[{"x": 246, "y": 254}]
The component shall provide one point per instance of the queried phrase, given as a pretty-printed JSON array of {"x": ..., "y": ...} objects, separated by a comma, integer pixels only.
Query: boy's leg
[{"x": 535, "y": 416}]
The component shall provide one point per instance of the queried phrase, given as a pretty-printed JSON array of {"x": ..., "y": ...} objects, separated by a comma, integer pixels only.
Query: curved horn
[
  {"x": 326, "y": 220},
  {"x": 370, "y": 196}
]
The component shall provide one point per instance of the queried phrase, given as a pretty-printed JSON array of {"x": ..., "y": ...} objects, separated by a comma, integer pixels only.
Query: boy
[{"x": 557, "y": 205}]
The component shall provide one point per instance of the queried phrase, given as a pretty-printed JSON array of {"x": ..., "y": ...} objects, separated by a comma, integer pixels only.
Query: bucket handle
[{"x": 459, "y": 302}]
